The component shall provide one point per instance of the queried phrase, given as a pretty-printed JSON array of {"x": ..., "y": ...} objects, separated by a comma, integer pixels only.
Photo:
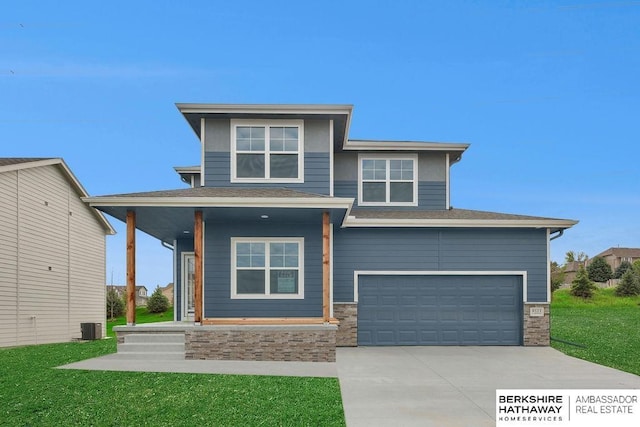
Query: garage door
[{"x": 439, "y": 310}]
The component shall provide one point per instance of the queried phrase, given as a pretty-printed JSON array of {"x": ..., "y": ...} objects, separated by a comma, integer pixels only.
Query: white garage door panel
[{"x": 439, "y": 310}]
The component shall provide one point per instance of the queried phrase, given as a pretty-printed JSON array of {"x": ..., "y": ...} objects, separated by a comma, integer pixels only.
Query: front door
[{"x": 188, "y": 285}]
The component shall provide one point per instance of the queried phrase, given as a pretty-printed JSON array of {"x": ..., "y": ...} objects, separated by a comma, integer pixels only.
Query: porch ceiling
[{"x": 169, "y": 223}]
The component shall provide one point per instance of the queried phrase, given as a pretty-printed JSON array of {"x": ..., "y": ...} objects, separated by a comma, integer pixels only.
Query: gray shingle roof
[
  {"x": 224, "y": 192},
  {"x": 6, "y": 161},
  {"x": 451, "y": 214}
]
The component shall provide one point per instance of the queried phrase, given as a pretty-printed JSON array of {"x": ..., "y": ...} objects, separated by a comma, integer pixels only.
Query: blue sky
[{"x": 547, "y": 93}]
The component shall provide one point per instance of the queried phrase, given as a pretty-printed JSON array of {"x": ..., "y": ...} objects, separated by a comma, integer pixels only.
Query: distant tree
[
  {"x": 572, "y": 256},
  {"x": 636, "y": 265},
  {"x": 115, "y": 305},
  {"x": 629, "y": 285},
  {"x": 157, "y": 303},
  {"x": 622, "y": 268},
  {"x": 599, "y": 270},
  {"x": 581, "y": 286},
  {"x": 557, "y": 276}
]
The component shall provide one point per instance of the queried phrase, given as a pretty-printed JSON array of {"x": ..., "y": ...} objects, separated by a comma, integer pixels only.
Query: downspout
[
  {"x": 168, "y": 246},
  {"x": 560, "y": 233}
]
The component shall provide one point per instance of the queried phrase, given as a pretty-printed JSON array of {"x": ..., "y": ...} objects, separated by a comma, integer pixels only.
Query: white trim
[
  {"x": 352, "y": 221},
  {"x": 448, "y": 182},
  {"x": 388, "y": 180},
  {"x": 189, "y": 108},
  {"x": 267, "y": 124},
  {"x": 356, "y": 144},
  {"x": 267, "y": 268},
  {"x": 184, "y": 314},
  {"x": 202, "y": 149},
  {"x": 548, "y": 266},
  {"x": 331, "y": 154},
  {"x": 331, "y": 270},
  {"x": 175, "y": 279},
  {"x": 357, "y": 273}
]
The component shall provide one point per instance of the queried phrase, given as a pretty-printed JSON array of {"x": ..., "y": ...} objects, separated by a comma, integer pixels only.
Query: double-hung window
[
  {"x": 387, "y": 180},
  {"x": 267, "y": 268},
  {"x": 267, "y": 151}
]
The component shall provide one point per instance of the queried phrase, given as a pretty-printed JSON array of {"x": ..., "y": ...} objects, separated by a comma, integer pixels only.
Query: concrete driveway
[{"x": 455, "y": 386}]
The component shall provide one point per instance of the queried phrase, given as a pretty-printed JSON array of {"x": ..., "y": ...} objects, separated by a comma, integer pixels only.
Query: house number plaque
[{"x": 536, "y": 312}]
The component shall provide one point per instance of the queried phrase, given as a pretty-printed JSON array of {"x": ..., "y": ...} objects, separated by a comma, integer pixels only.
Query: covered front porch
[{"x": 212, "y": 324}]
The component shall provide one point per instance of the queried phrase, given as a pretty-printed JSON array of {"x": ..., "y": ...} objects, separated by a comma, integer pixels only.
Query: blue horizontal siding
[
  {"x": 432, "y": 195},
  {"x": 316, "y": 173},
  {"x": 440, "y": 249},
  {"x": 217, "y": 272}
]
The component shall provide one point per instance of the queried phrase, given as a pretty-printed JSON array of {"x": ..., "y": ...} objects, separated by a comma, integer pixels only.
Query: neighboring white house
[{"x": 52, "y": 255}]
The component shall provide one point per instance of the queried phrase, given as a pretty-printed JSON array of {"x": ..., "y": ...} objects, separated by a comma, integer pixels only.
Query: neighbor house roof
[
  {"x": 8, "y": 164},
  {"x": 450, "y": 218},
  {"x": 621, "y": 252}
]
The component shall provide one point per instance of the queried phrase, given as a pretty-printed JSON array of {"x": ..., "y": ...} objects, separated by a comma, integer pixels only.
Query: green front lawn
[
  {"x": 33, "y": 393},
  {"x": 142, "y": 316},
  {"x": 607, "y": 326}
]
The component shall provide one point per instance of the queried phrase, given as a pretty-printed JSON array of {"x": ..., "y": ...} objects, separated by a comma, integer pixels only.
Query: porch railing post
[
  {"x": 197, "y": 249},
  {"x": 131, "y": 268},
  {"x": 325, "y": 267}
]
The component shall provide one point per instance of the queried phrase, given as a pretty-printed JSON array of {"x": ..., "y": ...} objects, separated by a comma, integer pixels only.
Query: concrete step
[
  {"x": 150, "y": 356},
  {"x": 152, "y": 347},
  {"x": 154, "y": 338}
]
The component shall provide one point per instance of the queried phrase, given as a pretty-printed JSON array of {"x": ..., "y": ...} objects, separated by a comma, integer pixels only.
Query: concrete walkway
[{"x": 412, "y": 386}]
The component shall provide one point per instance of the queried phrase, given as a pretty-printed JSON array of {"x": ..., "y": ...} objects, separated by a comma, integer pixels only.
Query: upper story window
[
  {"x": 387, "y": 180},
  {"x": 267, "y": 151}
]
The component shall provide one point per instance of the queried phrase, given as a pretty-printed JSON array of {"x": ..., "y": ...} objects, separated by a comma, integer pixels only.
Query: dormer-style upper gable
[{"x": 268, "y": 145}]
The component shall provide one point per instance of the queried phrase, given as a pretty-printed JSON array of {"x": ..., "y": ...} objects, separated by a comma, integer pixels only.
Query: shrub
[
  {"x": 622, "y": 268},
  {"x": 581, "y": 286},
  {"x": 629, "y": 285},
  {"x": 115, "y": 305},
  {"x": 157, "y": 302},
  {"x": 557, "y": 276},
  {"x": 599, "y": 270}
]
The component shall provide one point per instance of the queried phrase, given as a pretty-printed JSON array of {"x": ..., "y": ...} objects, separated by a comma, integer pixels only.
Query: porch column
[
  {"x": 131, "y": 268},
  {"x": 197, "y": 249},
  {"x": 326, "y": 257}
]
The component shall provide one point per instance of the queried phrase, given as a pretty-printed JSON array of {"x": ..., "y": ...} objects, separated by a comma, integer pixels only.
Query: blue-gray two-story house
[{"x": 292, "y": 239}]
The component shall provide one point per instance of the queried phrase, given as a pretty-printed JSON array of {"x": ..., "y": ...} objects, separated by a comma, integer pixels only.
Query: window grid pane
[{"x": 278, "y": 276}]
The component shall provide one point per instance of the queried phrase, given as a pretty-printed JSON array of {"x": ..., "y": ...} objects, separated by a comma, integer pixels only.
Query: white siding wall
[
  {"x": 59, "y": 258},
  {"x": 8, "y": 258},
  {"x": 87, "y": 267}
]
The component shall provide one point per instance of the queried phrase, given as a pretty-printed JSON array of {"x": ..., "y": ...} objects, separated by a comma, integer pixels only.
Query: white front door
[{"x": 188, "y": 285}]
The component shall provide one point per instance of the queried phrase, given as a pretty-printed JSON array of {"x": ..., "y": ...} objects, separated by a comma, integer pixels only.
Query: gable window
[
  {"x": 267, "y": 151},
  {"x": 267, "y": 268},
  {"x": 387, "y": 180}
]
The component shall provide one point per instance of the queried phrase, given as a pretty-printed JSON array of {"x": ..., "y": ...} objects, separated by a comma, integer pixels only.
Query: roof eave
[
  {"x": 220, "y": 202},
  {"x": 190, "y": 108},
  {"x": 354, "y": 144},
  {"x": 459, "y": 223}
]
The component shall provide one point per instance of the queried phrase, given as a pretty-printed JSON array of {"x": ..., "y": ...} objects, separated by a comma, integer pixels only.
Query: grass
[
  {"x": 33, "y": 393},
  {"x": 607, "y": 326},
  {"x": 142, "y": 316}
]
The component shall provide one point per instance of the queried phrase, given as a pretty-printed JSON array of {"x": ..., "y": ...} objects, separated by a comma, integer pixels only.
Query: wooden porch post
[
  {"x": 197, "y": 249},
  {"x": 131, "y": 268},
  {"x": 325, "y": 267}
]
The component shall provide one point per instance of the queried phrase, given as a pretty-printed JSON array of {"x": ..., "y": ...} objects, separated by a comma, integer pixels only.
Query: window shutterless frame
[
  {"x": 277, "y": 261},
  {"x": 387, "y": 180},
  {"x": 267, "y": 151}
]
